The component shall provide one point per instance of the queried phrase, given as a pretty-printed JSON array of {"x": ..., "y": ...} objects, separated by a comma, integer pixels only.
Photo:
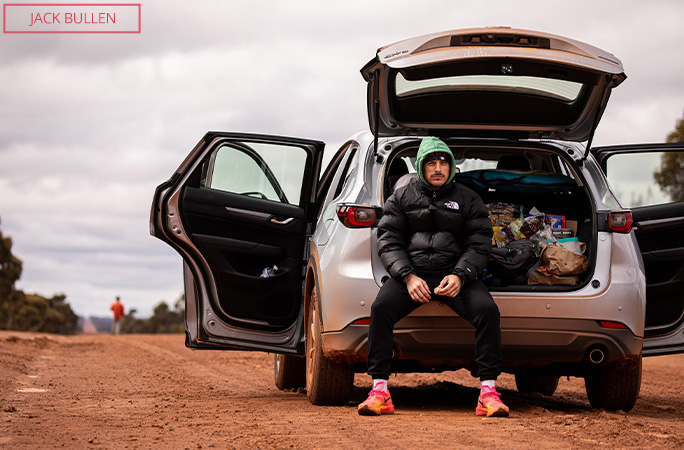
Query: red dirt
[{"x": 149, "y": 391}]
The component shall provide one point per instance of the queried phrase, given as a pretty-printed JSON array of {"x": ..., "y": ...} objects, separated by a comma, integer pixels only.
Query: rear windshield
[
  {"x": 555, "y": 89},
  {"x": 529, "y": 98}
]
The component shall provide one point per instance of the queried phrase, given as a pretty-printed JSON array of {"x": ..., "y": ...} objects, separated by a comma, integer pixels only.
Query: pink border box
[{"x": 4, "y": 16}]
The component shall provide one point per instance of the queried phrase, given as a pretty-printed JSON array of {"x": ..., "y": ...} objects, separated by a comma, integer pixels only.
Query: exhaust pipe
[{"x": 596, "y": 356}]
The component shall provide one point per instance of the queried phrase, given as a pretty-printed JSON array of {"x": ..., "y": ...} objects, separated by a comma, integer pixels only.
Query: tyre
[
  {"x": 289, "y": 371},
  {"x": 614, "y": 386},
  {"x": 327, "y": 382},
  {"x": 536, "y": 384}
]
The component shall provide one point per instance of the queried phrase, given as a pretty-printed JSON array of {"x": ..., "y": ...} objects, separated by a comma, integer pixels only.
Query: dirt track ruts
[{"x": 149, "y": 391}]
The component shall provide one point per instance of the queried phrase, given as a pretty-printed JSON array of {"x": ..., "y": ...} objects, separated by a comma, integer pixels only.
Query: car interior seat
[
  {"x": 404, "y": 180},
  {"x": 396, "y": 170},
  {"x": 513, "y": 162}
]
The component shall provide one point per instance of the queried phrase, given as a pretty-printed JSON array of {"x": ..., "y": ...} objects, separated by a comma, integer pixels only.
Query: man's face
[{"x": 436, "y": 173}]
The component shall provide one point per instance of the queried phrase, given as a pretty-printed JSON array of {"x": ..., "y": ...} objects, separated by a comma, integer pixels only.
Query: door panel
[
  {"x": 239, "y": 205},
  {"x": 660, "y": 233},
  {"x": 240, "y": 241},
  {"x": 648, "y": 179}
]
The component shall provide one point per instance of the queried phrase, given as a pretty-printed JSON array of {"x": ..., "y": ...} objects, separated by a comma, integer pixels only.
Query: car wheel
[
  {"x": 536, "y": 384},
  {"x": 614, "y": 386},
  {"x": 289, "y": 371},
  {"x": 327, "y": 382}
]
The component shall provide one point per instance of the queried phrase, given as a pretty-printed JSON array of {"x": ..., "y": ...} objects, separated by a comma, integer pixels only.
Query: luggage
[
  {"x": 508, "y": 181},
  {"x": 511, "y": 263}
]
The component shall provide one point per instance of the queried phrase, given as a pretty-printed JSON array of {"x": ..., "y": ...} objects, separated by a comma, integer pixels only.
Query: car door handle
[
  {"x": 260, "y": 215},
  {"x": 660, "y": 222},
  {"x": 277, "y": 221},
  {"x": 248, "y": 213}
]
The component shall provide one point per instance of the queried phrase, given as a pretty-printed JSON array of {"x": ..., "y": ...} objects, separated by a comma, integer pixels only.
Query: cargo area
[{"x": 541, "y": 213}]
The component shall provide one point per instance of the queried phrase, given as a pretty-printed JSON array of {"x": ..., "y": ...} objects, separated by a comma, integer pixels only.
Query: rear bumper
[{"x": 443, "y": 342}]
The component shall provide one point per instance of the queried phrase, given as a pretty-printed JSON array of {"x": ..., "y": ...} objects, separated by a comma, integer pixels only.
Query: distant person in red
[{"x": 118, "y": 310}]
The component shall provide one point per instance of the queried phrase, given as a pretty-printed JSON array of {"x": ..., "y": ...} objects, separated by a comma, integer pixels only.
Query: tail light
[
  {"x": 365, "y": 321},
  {"x": 358, "y": 216},
  {"x": 620, "y": 221},
  {"x": 614, "y": 325}
]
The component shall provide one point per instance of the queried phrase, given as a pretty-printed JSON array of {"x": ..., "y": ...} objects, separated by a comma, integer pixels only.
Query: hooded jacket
[
  {"x": 445, "y": 230},
  {"x": 432, "y": 145}
]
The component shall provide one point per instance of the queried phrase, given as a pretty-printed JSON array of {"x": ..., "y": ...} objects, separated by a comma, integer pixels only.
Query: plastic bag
[
  {"x": 268, "y": 272},
  {"x": 534, "y": 224},
  {"x": 543, "y": 237},
  {"x": 499, "y": 237},
  {"x": 512, "y": 231},
  {"x": 573, "y": 244}
]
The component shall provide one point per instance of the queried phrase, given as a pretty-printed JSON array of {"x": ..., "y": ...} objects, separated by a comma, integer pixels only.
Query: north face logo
[{"x": 451, "y": 205}]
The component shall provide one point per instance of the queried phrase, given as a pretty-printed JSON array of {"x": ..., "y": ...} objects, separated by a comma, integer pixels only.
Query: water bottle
[{"x": 268, "y": 272}]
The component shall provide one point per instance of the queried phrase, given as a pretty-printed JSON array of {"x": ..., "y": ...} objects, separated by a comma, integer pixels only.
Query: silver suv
[{"x": 282, "y": 260}]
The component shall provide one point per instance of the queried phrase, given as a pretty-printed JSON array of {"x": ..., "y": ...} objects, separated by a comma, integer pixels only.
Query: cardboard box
[{"x": 557, "y": 221}]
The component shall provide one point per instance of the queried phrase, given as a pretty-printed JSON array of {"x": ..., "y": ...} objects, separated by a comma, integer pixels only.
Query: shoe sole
[
  {"x": 365, "y": 411},
  {"x": 498, "y": 412}
]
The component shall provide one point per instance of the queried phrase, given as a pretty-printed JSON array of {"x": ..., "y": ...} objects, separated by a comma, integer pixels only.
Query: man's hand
[
  {"x": 450, "y": 286},
  {"x": 417, "y": 288}
]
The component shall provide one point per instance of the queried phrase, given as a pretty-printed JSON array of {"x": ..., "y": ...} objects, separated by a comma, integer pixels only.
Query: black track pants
[{"x": 474, "y": 303}]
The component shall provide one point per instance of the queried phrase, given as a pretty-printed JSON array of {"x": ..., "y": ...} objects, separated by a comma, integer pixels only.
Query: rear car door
[
  {"x": 650, "y": 180},
  {"x": 239, "y": 211}
]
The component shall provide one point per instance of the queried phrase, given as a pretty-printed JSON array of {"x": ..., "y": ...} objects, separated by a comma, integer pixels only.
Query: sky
[{"x": 91, "y": 124}]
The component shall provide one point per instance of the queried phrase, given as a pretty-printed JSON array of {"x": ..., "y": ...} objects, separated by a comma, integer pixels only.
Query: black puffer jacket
[{"x": 426, "y": 230}]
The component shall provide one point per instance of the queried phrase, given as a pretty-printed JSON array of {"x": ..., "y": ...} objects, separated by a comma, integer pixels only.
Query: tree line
[
  {"x": 164, "y": 319},
  {"x": 22, "y": 311},
  {"x": 29, "y": 312},
  {"x": 670, "y": 176}
]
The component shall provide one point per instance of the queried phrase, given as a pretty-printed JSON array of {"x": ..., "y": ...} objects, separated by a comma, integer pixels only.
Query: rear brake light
[
  {"x": 357, "y": 216},
  {"x": 616, "y": 325},
  {"x": 620, "y": 222},
  {"x": 498, "y": 38},
  {"x": 365, "y": 321}
]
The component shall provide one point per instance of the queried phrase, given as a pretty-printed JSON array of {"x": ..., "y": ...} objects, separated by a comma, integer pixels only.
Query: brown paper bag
[
  {"x": 549, "y": 279},
  {"x": 562, "y": 261}
]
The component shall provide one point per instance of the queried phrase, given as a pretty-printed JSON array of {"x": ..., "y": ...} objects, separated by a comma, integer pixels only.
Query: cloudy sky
[{"x": 90, "y": 124}]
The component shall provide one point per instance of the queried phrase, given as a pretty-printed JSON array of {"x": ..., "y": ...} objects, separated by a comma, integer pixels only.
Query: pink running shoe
[
  {"x": 489, "y": 404},
  {"x": 378, "y": 402}
]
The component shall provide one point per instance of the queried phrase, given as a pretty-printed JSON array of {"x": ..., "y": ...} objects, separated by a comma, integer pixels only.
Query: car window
[
  {"x": 463, "y": 164},
  {"x": 349, "y": 168},
  {"x": 562, "y": 90},
  {"x": 475, "y": 164},
  {"x": 647, "y": 178},
  {"x": 268, "y": 171},
  {"x": 336, "y": 172},
  {"x": 603, "y": 189}
]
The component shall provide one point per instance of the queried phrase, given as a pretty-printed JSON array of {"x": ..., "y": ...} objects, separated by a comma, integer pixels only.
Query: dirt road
[{"x": 149, "y": 391}]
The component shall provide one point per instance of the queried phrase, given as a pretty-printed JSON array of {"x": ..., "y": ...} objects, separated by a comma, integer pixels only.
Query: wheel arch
[{"x": 311, "y": 282}]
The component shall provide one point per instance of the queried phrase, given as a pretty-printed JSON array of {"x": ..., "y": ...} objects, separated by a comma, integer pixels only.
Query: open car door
[
  {"x": 650, "y": 180},
  {"x": 239, "y": 211}
]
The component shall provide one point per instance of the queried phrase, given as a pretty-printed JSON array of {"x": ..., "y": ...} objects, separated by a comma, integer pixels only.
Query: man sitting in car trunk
[{"x": 434, "y": 238}]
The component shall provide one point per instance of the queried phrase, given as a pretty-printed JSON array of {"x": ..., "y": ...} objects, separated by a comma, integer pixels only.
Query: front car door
[
  {"x": 650, "y": 180},
  {"x": 239, "y": 211}
]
